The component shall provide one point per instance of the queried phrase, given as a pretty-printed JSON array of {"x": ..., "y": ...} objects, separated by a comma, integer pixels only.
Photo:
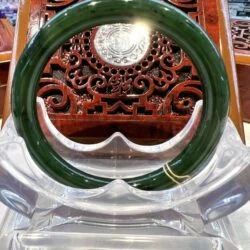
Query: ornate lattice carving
[
  {"x": 241, "y": 35},
  {"x": 43, "y": 10},
  {"x": 51, "y": 7},
  {"x": 79, "y": 85},
  {"x": 78, "y": 81}
]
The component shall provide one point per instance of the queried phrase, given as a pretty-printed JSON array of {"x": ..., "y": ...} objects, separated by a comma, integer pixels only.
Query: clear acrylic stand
[{"x": 44, "y": 214}]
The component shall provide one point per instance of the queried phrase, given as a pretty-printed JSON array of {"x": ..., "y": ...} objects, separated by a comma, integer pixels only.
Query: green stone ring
[{"x": 85, "y": 15}]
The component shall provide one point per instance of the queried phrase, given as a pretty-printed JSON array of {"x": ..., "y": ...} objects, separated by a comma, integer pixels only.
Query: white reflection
[{"x": 122, "y": 44}]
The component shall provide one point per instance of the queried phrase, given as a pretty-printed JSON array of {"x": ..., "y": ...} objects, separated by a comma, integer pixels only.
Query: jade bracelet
[{"x": 162, "y": 17}]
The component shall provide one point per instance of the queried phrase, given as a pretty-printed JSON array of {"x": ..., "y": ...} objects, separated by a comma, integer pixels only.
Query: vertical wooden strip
[
  {"x": 19, "y": 44},
  {"x": 226, "y": 48}
]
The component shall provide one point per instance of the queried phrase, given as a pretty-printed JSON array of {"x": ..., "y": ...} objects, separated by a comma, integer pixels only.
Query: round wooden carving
[{"x": 120, "y": 77}]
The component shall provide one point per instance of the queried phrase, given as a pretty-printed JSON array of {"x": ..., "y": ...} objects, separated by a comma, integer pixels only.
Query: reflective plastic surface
[
  {"x": 50, "y": 215},
  {"x": 117, "y": 157},
  {"x": 220, "y": 188}
]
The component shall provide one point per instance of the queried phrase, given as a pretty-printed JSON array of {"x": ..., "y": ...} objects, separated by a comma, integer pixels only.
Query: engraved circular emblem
[{"x": 122, "y": 44}]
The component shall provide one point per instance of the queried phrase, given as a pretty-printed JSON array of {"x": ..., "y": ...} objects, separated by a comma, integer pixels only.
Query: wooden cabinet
[{"x": 142, "y": 111}]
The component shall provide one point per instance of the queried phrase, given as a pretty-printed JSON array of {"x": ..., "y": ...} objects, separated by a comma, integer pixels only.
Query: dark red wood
[
  {"x": 4, "y": 70},
  {"x": 244, "y": 88},
  {"x": 149, "y": 102},
  {"x": 241, "y": 42}
]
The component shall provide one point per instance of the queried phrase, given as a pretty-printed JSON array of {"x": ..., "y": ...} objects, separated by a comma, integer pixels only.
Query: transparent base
[
  {"x": 47, "y": 215},
  {"x": 17, "y": 233},
  {"x": 85, "y": 241}
]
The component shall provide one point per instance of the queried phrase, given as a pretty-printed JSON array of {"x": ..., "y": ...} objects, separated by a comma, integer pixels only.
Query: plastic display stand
[{"x": 45, "y": 214}]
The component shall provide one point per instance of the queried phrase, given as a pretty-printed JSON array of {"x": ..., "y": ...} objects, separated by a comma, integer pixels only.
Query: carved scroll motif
[
  {"x": 78, "y": 81},
  {"x": 241, "y": 35},
  {"x": 54, "y": 6}
]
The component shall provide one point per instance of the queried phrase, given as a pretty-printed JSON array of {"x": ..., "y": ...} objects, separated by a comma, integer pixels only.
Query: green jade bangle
[{"x": 160, "y": 16}]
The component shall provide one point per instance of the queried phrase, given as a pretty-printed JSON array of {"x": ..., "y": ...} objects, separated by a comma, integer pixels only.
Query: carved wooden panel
[
  {"x": 241, "y": 36},
  {"x": 164, "y": 82},
  {"x": 43, "y": 10},
  {"x": 153, "y": 98}
]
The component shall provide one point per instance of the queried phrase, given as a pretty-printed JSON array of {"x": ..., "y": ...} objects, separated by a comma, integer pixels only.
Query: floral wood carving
[
  {"x": 77, "y": 84},
  {"x": 78, "y": 81},
  {"x": 51, "y": 7}
]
